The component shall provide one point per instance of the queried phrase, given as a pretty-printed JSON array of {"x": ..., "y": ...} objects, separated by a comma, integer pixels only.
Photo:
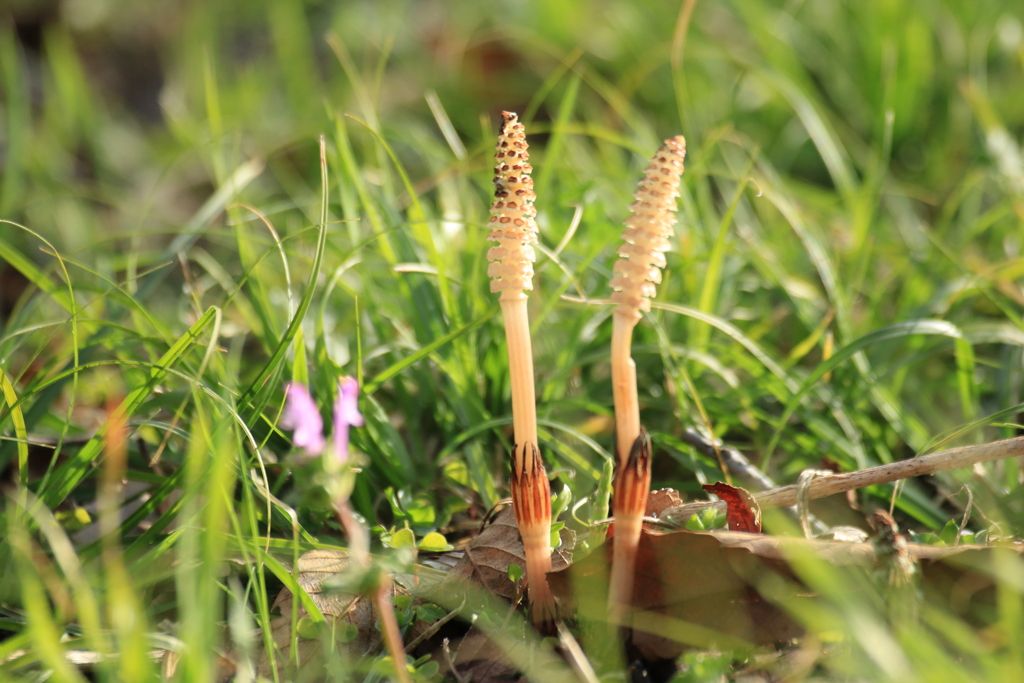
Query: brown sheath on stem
[
  {"x": 632, "y": 483},
  {"x": 646, "y": 237},
  {"x": 514, "y": 228},
  {"x": 531, "y": 500}
]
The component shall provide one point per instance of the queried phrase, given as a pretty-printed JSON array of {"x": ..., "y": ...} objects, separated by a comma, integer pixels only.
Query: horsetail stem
[
  {"x": 514, "y": 228},
  {"x": 646, "y": 238}
]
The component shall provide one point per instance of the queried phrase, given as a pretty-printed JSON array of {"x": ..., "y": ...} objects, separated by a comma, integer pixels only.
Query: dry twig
[{"x": 827, "y": 485}]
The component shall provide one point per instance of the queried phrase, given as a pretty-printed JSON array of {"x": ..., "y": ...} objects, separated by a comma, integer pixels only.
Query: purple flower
[
  {"x": 301, "y": 414},
  {"x": 346, "y": 414}
]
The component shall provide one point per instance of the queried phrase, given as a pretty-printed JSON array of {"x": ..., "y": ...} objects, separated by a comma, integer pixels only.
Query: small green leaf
[
  {"x": 428, "y": 670},
  {"x": 430, "y": 612},
  {"x": 560, "y": 502},
  {"x": 556, "y": 538},
  {"x": 712, "y": 520},
  {"x": 949, "y": 532},
  {"x": 402, "y": 601},
  {"x": 403, "y": 538},
  {"x": 705, "y": 520},
  {"x": 515, "y": 572},
  {"x": 418, "y": 509},
  {"x": 434, "y": 543},
  {"x": 73, "y": 520},
  {"x": 395, "y": 503},
  {"x": 457, "y": 471},
  {"x": 926, "y": 538},
  {"x": 344, "y": 632},
  {"x": 307, "y": 628},
  {"x": 421, "y": 511}
]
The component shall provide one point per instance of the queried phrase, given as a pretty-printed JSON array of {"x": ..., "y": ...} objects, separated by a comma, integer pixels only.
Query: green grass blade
[
  {"x": 395, "y": 369},
  {"x": 901, "y": 330},
  {"x": 67, "y": 476},
  {"x": 18, "y": 418},
  {"x": 273, "y": 365}
]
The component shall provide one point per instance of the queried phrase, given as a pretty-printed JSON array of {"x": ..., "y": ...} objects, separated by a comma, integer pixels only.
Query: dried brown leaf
[
  {"x": 317, "y": 568},
  {"x": 476, "y": 658},
  {"x": 350, "y": 617},
  {"x": 661, "y": 500},
  {"x": 689, "y": 588},
  {"x": 741, "y": 510},
  {"x": 706, "y": 589},
  {"x": 489, "y": 555}
]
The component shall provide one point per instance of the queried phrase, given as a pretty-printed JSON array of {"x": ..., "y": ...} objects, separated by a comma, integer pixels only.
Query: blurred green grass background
[{"x": 846, "y": 284}]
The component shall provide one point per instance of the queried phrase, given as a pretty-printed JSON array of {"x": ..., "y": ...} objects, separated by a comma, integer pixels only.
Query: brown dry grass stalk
[
  {"x": 514, "y": 229},
  {"x": 646, "y": 238}
]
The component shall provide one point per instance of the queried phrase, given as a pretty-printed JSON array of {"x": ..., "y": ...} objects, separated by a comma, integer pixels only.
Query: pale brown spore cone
[
  {"x": 513, "y": 217},
  {"x": 531, "y": 501},
  {"x": 646, "y": 238},
  {"x": 648, "y": 230}
]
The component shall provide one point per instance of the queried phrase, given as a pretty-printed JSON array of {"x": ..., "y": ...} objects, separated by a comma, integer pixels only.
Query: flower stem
[
  {"x": 359, "y": 543},
  {"x": 389, "y": 625}
]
